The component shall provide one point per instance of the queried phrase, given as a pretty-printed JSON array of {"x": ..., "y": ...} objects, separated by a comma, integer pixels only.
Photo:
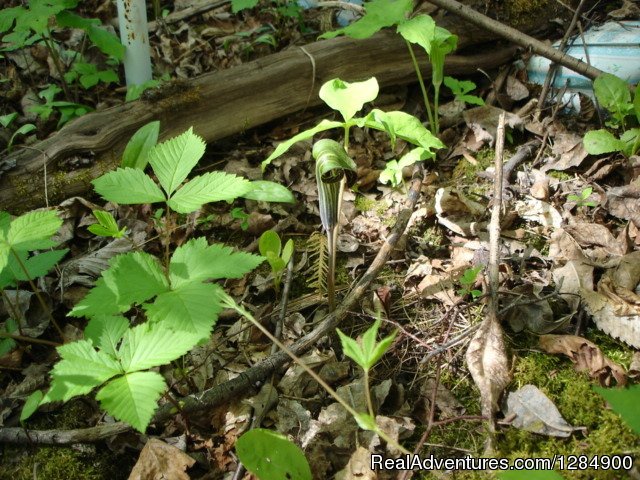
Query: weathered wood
[{"x": 217, "y": 105}]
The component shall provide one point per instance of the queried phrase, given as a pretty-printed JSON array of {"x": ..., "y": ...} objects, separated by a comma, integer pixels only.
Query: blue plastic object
[{"x": 613, "y": 47}]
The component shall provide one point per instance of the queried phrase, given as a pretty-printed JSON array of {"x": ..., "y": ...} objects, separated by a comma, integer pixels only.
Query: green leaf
[
  {"x": 106, "y": 41},
  {"x": 192, "y": 309},
  {"x": 367, "y": 352},
  {"x": 32, "y": 231},
  {"x": 366, "y": 422},
  {"x": 107, "y": 226},
  {"x": 625, "y": 403},
  {"x": 351, "y": 349},
  {"x": 266, "y": 191},
  {"x": 31, "y": 405},
  {"x": 419, "y": 30},
  {"x": 630, "y": 141},
  {"x": 287, "y": 251},
  {"x": 269, "y": 243},
  {"x": 23, "y": 130},
  {"x": 79, "y": 371},
  {"x": 597, "y": 142},
  {"x": 133, "y": 398},
  {"x": 210, "y": 187},
  {"x": 36, "y": 266},
  {"x": 239, "y": 5},
  {"x": 131, "y": 278},
  {"x": 272, "y": 456},
  {"x": 287, "y": 144},
  {"x": 106, "y": 331},
  {"x": 379, "y": 14},
  {"x": 5, "y": 120},
  {"x": 636, "y": 102},
  {"x": 8, "y": 344},
  {"x": 128, "y": 186},
  {"x": 136, "y": 153},
  {"x": 196, "y": 261},
  {"x": 612, "y": 92},
  {"x": 392, "y": 173},
  {"x": 174, "y": 159},
  {"x": 348, "y": 98},
  {"x": 147, "y": 346},
  {"x": 402, "y": 125}
]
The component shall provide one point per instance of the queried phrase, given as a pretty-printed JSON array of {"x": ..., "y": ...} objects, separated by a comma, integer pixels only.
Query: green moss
[
  {"x": 562, "y": 176},
  {"x": 365, "y": 204}
]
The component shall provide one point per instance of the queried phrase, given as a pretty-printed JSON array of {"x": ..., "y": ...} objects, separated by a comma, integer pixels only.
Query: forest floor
[{"x": 569, "y": 275}]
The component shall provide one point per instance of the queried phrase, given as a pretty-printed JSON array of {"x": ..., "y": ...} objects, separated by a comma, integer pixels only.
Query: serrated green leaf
[
  {"x": 270, "y": 455},
  {"x": 192, "y": 309},
  {"x": 128, "y": 186},
  {"x": 136, "y": 153},
  {"x": 31, "y": 405},
  {"x": 269, "y": 242},
  {"x": 196, "y": 261},
  {"x": 265, "y": 191},
  {"x": 148, "y": 345},
  {"x": 239, "y": 5},
  {"x": 36, "y": 266},
  {"x": 79, "y": 371},
  {"x": 133, "y": 398},
  {"x": 287, "y": 144},
  {"x": 174, "y": 159},
  {"x": 597, "y": 142},
  {"x": 379, "y": 14},
  {"x": 210, "y": 187},
  {"x": 32, "y": 231},
  {"x": 625, "y": 403},
  {"x": 348, "y": 98},
  {"x": 106, "y": 331},
  {"x": 132, "y": 278}
]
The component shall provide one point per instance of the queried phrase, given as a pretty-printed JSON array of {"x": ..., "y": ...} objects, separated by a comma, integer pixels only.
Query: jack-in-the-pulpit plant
[{"x": 175, "y": 304}]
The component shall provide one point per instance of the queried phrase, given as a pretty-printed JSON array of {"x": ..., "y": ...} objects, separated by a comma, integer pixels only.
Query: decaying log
[{"x": 223, "y": 103}]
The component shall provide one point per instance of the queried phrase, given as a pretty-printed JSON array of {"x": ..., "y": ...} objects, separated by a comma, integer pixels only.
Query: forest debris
[
  {"x": 628, "y": 10},
  {"x": 159, "y": 461},
  {"x": 484, "y": 122},
  {"x": 458, "y": 213},
  {"x": 535, "y": 412},
  {"x": 569, "y": 151},
  {"x": 446, "y": 402},
  {"x": 537, "y": 317},
  {"x": 597, "y": 235},
  {"x": 537, "y": 211},
  {"x": 586, "y": 357},
  {"x": 358, "y": 467},
  {"x": 624, "y": 202},
  {"x": 33, "y": 317}
]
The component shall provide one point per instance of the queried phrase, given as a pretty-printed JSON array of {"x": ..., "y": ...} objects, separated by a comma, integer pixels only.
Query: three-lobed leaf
[
  {"x": 106, "y": 226},
  {"x": 348, "y": 98},
  {"x": 366, "y": 352}
]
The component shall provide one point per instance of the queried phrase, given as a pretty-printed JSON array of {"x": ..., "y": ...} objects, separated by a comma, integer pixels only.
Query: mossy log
[{"x": 223, "y": 103}]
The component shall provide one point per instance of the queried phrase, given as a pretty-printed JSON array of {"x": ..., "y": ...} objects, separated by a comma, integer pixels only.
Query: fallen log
[{"x": 220, "y": 104}]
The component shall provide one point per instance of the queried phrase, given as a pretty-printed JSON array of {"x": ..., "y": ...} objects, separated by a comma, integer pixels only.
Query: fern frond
[{"x": 318, "y": 262}]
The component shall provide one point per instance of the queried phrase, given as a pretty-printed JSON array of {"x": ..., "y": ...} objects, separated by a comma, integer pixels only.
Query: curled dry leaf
[
  {"x": 358, "y": 467},
  {"x": 160, "y": 461},
  {"x": 624, "y": 202},
  {"x": 488, "y": 363},
  {"x": 586, "y": 357}
]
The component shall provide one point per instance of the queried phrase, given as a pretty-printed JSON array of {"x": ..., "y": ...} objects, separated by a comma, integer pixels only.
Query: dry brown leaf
[
  {"x": 160, "y": 461},
  {"x": 586, "y": 357},
  {"x": 569, "y": 152},
  {"x": 489, "y": 365},
  {"x": 358, "y": 468},
  {"x": 484, "y": 121},
  {"x": 595, "y": 234},
  {"x": 624, "y": 202}
]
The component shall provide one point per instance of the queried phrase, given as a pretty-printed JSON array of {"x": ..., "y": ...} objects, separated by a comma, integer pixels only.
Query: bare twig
[{"x": 62, "y": 437}]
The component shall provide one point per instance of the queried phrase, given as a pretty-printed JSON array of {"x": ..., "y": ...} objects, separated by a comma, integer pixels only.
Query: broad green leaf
[
  {"x": 348, "y": 98},
  {"x": 419, "y": 30},
  {"x": 23, "y": 130},
  {"x": 31, "y": 405},
  {"x": 191, "y": 309},
  {"x": 133, "y": 398},
  {"x": 131, "y": 278},
  {"x": 597, "y": 142},
  {"x": 107, "y": 42},
  {"x": 174, "y": 159},
  {"x": 379, "y": 14},
  {"x": 239, "y": 5},
  {"x": 405, "y": 126},
  {"x": 286, "y": 145},
  {"x": 79, "y": 371},
  {"x": 392, "y": 173},
  {"x": 106, "y": 331},
  {"x": 269, "y": 243},
  {"x": 136, "y": 153},
  {"x": 266, "y": 191},
  {"x": 196, "y": 261},
  {"x": 636, "y": 102},
  {"x": 33, "y": 230},
  {"x": 287, "y": 251},
  {"x": 631, "y": 141},
  {"x": 272, "y": 456},
  {"x": 147, "y": 346},
  {"x": 36, "y": 266},
  {"x": 625, "y": 403},
  {"x": 276, "y": 263},
  {"x": 612, "y": 92},
  {"x": 8, "y": 16},
  {"x": 210, "y": 187},
  {"x": 531, "y": 475},
  {"x": 128, "y": 186}
]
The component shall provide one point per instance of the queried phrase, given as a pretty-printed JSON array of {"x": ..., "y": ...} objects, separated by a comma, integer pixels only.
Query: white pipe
[{"x": 132, "y": 18}]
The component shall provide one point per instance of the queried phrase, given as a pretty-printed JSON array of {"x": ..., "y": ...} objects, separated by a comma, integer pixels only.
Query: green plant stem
[
  {"x": 422, "y": 87},
  {"x": 34, "y": 289},
  {"x": 636, "y": 145},
  {"x": 311, "y": 373},
  {"x": 56, "y": 62},
  {"x": 167, "y": 239},
  {"x": 332, "y": 244},
  {"x": 436, "y": 102},
  {"x": 367, "y": 391},
  {"x": 22, "y": 338}
]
